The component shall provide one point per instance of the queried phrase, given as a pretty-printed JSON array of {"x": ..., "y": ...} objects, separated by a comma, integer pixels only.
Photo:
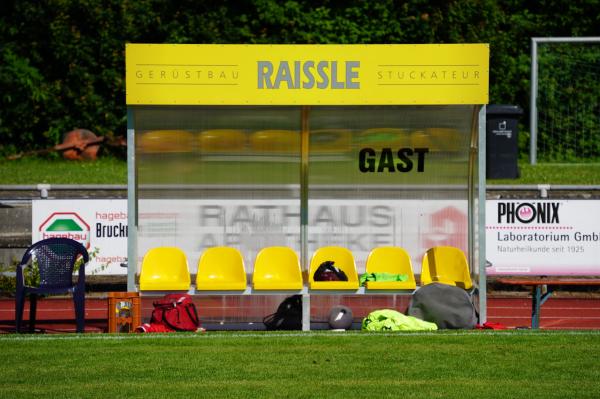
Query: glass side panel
[
  {"x": 213, "y": 176},
  {"x": 377, "y": 176},
  {"x": 389, "y": 176}
]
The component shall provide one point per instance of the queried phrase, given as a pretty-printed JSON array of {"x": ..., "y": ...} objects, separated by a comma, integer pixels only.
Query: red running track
[{"x": 57, "y": 314}]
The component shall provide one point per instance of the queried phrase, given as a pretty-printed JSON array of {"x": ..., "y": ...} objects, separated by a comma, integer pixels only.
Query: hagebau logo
[{"x": 66, "y": 225}]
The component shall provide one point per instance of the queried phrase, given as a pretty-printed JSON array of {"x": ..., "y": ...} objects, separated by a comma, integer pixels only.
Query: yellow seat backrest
[
  {"x": 221, "y": 268},
  {"x": 393, "y": 260},
  {"x": 165, "y": 269},
  {"x": 277, "y": 268},
  {"x": 449, "y": 139},
  {"x": 276, "y": 141},
  {"x": 166, "y": 141},
  {"x": 221, "y": 140},
  {"x": 422, "y": 139},
  {"x": 343, "y": 260},
  {"x": 446, "y": 265}
]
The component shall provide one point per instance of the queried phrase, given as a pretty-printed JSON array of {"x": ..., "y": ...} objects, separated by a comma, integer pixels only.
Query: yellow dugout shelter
[{"x": 306, "y": 147}]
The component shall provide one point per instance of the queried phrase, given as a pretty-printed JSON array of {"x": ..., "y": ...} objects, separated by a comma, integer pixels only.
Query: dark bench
[{"x": 541, "y": 290}]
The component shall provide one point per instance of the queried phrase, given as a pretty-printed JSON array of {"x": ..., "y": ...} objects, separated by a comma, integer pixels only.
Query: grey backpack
[{"x": 447, "y": 306}]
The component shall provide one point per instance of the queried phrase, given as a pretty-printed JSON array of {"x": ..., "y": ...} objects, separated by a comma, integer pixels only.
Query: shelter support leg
[{"x": 305, "y": 312}]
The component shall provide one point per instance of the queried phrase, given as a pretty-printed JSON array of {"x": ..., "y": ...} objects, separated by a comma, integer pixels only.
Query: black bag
[
  {"x": 288, "y": 315},
  {"x": 447, "y": 306},
  {"x": 328, "y": 272}
]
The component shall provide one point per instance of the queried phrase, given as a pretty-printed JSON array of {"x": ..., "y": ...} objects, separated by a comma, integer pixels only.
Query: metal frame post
[
  {"x": 471, "y": 185},
  {"x": 306, "y": 312},
  {"x": 304, "y": 211},
  {"x": 476, "y": 211},
  {"x": 131, "y": 204},
  {"x": 304, "y": 187},
  {"x": 533, "y": 104},
  {"x": 481, "y": 217}
]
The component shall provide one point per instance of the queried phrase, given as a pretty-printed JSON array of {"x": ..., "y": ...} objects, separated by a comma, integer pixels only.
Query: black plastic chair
[{"x": 55, "y": 259}]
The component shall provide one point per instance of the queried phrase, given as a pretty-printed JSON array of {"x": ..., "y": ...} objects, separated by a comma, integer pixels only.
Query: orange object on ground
[
  {"x": 80, "y": 144},
  {"x": 124, "y": 311}
]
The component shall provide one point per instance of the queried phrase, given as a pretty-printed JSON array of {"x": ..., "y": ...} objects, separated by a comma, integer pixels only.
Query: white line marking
[{"x": 312, "y": 334}]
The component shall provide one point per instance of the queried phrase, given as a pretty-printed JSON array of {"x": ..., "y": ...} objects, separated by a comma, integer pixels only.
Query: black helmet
[{"x": 340, "y": 318}]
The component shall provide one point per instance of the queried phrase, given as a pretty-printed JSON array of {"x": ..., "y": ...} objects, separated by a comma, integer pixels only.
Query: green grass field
[
  {"x": 547, "y": 173},
  {"x": 114, "y": 171},
  {"x": 59, "y": 171},
  {"x": 463, "y": 364}
]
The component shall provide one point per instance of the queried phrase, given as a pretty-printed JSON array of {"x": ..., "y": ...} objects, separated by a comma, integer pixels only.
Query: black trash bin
[{"x": 502, "y": 145}]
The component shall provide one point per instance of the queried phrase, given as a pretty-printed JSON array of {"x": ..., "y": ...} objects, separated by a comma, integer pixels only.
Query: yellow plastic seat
[
  {"x": 166, "y": 141},
  {"x": 448, "y": 139},
  {"x": 446, "y": 265},
  {"x": 277, "y": 268},
  {"x": 276, "y": 141},
  {"x": 165, "y": 269},
  {"x": 221, "y": 269},
  {"x": 421, "y": 139},
  {"x": 221, "y": 141},
  {"x": 343, "y": 260},
  {"x": 394, "y": 260}
]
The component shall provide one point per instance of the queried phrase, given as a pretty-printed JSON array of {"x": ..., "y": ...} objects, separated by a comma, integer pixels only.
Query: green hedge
[{"x": 62, "y": 61}]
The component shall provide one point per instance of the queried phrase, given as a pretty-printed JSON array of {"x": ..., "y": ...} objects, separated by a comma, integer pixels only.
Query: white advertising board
[
  {"x": 193, "y": 225},
  {"x": 100, "y": 225},
  {"x": 523, "y": 237},
  {"x": 543, "y": 237}
]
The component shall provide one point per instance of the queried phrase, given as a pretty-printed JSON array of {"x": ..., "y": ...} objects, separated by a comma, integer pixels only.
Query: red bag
[
  {"x": 153, "y": 328},
  {"x": 175, "y": 312}
]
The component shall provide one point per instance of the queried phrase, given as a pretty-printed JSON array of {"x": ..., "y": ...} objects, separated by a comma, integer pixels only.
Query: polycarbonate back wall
[
  {"x": 389, "y": 176},
  {"x": 376, "y": 176},
  {"x": 214, "y": 176}
]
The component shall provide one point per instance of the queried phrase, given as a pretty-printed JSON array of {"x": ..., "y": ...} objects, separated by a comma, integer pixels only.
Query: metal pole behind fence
[
  {"x": 533, "y": 104},
  {"x": 533, "y": 114}
]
